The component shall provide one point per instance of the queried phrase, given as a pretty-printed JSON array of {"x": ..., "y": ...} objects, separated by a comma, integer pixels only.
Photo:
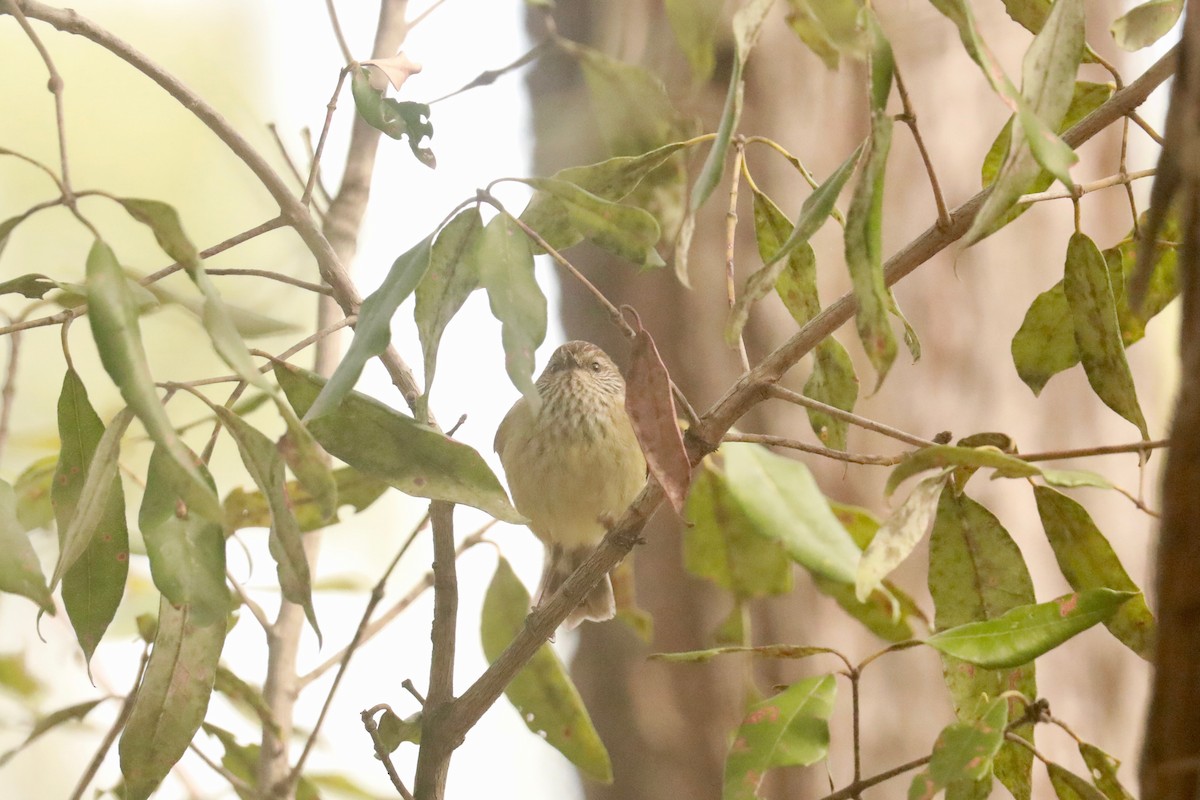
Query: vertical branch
[{"x": 433, "y": 762}]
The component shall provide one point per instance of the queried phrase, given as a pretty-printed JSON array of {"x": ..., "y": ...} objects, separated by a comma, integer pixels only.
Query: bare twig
[
  {"x": 111, "y": 735},
  {"x": 1103, "y": 450},
  {"x": 1084, "y": 188},
  {"x": 381, "y": 752},
  {"x": 255, "y": 609},
  {"x": 1147, "y": 127},
  {"x": 314, "y": 167},
  {"x": 274, "y": 276},
  {"x": 815, "y": 449},
  {"x": 857, "y": 787},
  {"x": 909, "y": 118},
  {"x": 337, "y": 31},
  {"x": 783, "y": 393}
]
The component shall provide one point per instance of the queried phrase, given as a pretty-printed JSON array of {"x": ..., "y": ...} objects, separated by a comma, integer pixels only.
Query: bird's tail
[{"x": 599, "y": 603}]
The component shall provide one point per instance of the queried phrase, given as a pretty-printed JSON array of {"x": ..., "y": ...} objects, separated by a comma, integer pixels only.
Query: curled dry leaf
[
  {"x": 395, "y": 70},
  {"x": 652, "y": 410}
]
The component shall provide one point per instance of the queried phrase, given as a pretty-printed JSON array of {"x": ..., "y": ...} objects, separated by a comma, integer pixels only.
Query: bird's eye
[{"x": 596, "y": 366}]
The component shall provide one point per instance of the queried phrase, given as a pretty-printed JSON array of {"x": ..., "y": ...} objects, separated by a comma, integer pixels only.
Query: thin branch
[
  {"x": 239, "y": 785},
  {"x": 407, "y": 685},
  {"x": 249, "y": 602},
  {"x": 1084, "y": 188},
  {"x": 306, "y": 135},
  {"x": 382, "y": 753},
  {"x": 1103, "y": 450},
  {"x": 793, "y": 444},
  {"x": 400, "y": 607},
  {"x": 1147, "y": 127},
  {"x": 909, "y": 118},
  {"x": 337, "y": 32},
  {"x": 314, "y": 167},
  {"x": 274, "y": 276},
  {"x": 283, "y": 151},
  {"x": 783, "y": 393},
  {"x": 857, "y": 787},
  {"x": 111, "y": 735},
  {"x": 9, "y": 390},
  {"x": 419, "y": 18}
]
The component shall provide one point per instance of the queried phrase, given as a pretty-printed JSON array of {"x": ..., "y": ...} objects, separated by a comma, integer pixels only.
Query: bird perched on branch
[{"x": 573, "y": 465}]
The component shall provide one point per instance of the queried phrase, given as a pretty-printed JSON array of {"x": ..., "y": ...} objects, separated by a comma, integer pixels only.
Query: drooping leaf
[
  {"x": 943, "y": 455},
  {"x": 1048, "y": 85},
  {"x": 626, "y": 231},
  {"x": 49, "y": 722},
  {"x": 1103, "y": 769},
  {"x": 515, "y": 298},
  {"x": 542, "y": 691},
  {"x": 92, "y": 588},
  {"x": 779, "y": 496},
  {"x": 976, "y": 572},
  {"x": 187, "y": 554},
  {"x": 833, "y": 382},
  {"x": 864, "y": 224},
  {"x": 91, "y": 505},
  {"x": 1069, "y": 786},
  {"x": 898, "y": 535},
  {"x": 373, "y": 331},
  {"x": 1145, "y": 24},
  {"x": 244, "y": 697},
  {"x": 1074, "y": 478},
  {"x": 385, "y": 444},
  {"x": 399, "y": 120},
  {"x": 651, "y": 408},
  {"x": 1089, "y": 294},
  {"x": 172, "y": 699},
  {"x": 452, "y": 275},
  {"x": 245, "y": 509},
  {"x": 265, "y": 466},
  {"x": 20, "y": 572},
  {"x": 113, "y": 316},
  {"x": 33, "y": 487},
  {"x": 887, "y": 613},
  {"x": 1023, "y": 633},
  {"x": 811, "y": 31},
  {"x": 788, "y": 729},
  {"x": 963, "y": 752},
  {"x": 6, "y": 228},
  {"x": 695, "y": 25},
  {"x": 723, "y": 545},
  {"x": 1088, "y": 562}
]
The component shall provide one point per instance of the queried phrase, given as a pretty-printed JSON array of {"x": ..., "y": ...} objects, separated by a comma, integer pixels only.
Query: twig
[
  {"x": 437, "y": 746},
  {"x": 1103, "y": 450},
  {"x": 239, "y": 785},
  {"x": 283, "y": 151},
  {"x": 382, "y": 754},
  {"x": 111, "y": 736},
  {"x": 255, "y": 609},
  {"x": 783, "y": 393},
  {"x": 1147, "y": 127},
  {"x": 407, "y": 685},
  {"x": 487, "y": 77},
  {"x": 1084, "y": 188},
  {"x": 419, "y": 18},
  {"x": 9, "y": 390},
  {"x": 866, "y": 783},
  {"x": 306, "y": 135},
  {"x": 274, "y": 276},
  {"x": 337, "y": 31},
  {"x": 1012, "y": 737},
  {"x": 818, "y": 450},
  {"x": 909, "y": 118},
  {"x": 314, "y": 167}
]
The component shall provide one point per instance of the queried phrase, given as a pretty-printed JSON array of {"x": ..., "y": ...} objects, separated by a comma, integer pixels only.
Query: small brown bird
[{"x": 572, "y": 465}]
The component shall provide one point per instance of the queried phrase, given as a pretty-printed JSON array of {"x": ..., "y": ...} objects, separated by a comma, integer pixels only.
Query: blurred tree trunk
[{"x": 668, "y": 726}]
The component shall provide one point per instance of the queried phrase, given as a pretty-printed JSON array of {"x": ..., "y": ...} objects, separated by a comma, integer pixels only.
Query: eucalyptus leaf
[{"x": 20, "y": 572}]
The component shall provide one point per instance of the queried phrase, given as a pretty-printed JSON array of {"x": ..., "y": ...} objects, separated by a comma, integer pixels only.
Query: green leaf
[
  {"x": 6, "y": 228},
  {"x": 863, "y": 250},
  {"x": 781, "y": 499},
  {"x": 33, "y": 285},
  {"x": 807, "y": 26},
  {"x": 92, "y": 503},
  {"x": 244, "y": 697},
  {"x": 829, "y": 27},
  {"x": 1048, "y": 85},
  {"x": 695, "y": 24},
  {"x": 51, "y": 721},
  {"x": 631, "y": 106},
  {"x": 452, "y": 275},
  {"x": 626, "y": 231},
  {"x": 1069, "y": 786},
  {"x": 834, "y": 383},
  {"x": 788, "y": 729},
  {"x": 1023, "y": 633},
  {"x": 613, "y": 179},
  {"x": 1087, "y": 562},
  {"x": 1103, "y": 769},
  {"x": 33, "y": 488},
  {"x": 764, "y": 651},
  {"x": 1144, "y": 25},
  {"x": 399, "y": 120},
  {"x": 723, "y": 544},
  {"x": 963, "y": 752},
  {"x": 373, "y": 331},
  {"x": 15, "y": 676},
  {"x": 92, "y": 588},
  {"x": 542, "y": 691},
  {"x": 393, "y": 730},
  {"x": 898, "y": 535},
  {"x": 1089, "y": 293},
  {"x": 187, "y": 554},
  {"x": 941, "y": 456},
  {"x": 113, "y": 317},
  {"x": 265, "y": 466},
  {"x": 976, "y": 572},
  {"x": 172, "y": 699},
  {"x": 1074, "y": 478},
  {"x": 1044, "y": 345},
  {"x": 383, "y": 443},
  {"x": 515, "y": 298},
  {"x": 20, "y": 572},
  {"x": 250, "y": 509}
]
